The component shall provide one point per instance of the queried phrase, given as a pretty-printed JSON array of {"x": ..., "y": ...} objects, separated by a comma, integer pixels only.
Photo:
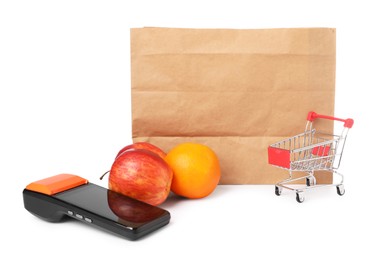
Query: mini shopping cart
[{"x": 309, "y": 152}]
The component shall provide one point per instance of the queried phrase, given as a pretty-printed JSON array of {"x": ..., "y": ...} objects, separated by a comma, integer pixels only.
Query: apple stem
[{"x": 104, "y": 175}]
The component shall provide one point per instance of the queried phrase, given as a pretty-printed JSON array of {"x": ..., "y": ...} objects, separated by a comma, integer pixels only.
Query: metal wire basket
[{"x": 308, "y": 152}]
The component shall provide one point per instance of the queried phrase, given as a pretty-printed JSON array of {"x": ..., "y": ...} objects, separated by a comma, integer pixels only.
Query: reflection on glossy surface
[
  {"x": 111, "y": 205},
  {"x": 131, "y": 210}
]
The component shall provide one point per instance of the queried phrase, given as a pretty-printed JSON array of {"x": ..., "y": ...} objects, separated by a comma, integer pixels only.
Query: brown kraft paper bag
[{"x": 234, "y": 90}]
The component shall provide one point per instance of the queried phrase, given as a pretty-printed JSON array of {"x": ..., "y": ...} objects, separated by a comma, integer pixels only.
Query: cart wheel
[
  {"x": 299, "y": 197},
  {"x": 340, "y": 189},
  {"x": 310, "y": 181},
  {"x": 278, "y": 190}
]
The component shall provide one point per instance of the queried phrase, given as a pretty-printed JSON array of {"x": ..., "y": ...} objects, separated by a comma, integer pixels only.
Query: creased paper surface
[{"x": 236, "y": 90}]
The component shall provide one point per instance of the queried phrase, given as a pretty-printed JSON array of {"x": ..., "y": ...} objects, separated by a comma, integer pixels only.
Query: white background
[{"x": 65, "y": 107}]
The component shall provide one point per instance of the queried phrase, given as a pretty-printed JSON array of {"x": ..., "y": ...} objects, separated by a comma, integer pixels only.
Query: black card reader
[{"x": 67, "y": 195}]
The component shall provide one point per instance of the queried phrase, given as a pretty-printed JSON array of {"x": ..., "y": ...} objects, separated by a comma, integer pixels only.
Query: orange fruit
[{"x": 196, "y": 170}]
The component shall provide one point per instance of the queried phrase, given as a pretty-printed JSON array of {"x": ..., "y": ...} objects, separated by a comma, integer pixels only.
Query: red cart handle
[{"x": 312, "y": 116}]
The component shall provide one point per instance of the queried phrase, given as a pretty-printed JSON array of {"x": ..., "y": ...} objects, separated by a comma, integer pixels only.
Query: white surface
[{"x": 65, "y": 107}]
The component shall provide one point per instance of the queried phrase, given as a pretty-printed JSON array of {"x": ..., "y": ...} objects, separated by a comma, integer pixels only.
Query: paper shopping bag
[{"x": 235, "y": 90}]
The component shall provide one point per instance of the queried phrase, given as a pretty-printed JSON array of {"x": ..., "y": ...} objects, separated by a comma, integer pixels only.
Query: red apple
[
  {"x": 141, "y": 174},
  {"x": 143, "y": 145}
]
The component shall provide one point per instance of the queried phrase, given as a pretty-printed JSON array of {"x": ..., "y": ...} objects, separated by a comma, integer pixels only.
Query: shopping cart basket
[{"x": 309, "y": 152}]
